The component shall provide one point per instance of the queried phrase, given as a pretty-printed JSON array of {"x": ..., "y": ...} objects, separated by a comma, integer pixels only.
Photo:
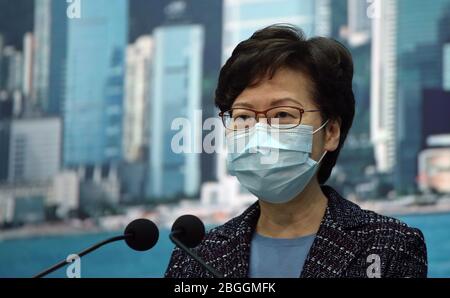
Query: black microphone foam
[
  {"x": 189, "y": 229},
  {"x": 141, "y": 234}
]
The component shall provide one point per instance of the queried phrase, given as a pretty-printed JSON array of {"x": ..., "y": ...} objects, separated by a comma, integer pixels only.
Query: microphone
[
  {"x": 187, "y": 232},
  {"x": 140, "y": 234}
]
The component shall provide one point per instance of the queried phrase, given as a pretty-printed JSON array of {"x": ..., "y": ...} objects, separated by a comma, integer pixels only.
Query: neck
[{"x": 299, "y": 217}]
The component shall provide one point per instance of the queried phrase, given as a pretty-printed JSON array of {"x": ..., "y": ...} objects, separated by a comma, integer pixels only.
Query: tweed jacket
[{"x": 348, "y": 243}]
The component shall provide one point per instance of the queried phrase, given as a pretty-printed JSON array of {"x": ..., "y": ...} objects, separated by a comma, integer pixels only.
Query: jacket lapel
[
  {"x": 333, "y": 249},
  {"x": 238, "y": 234},
  {"x": 335, "y": 246}
]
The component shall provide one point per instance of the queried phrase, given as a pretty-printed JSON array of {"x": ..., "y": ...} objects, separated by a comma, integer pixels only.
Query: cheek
[{"x": 318, "y": 144}]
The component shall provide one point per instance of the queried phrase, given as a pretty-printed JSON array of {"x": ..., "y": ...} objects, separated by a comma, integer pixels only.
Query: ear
[{"x": 332, "y": 135}]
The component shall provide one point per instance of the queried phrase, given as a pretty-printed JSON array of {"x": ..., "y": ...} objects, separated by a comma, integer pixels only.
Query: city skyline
[{"x": 117, "y": 95}]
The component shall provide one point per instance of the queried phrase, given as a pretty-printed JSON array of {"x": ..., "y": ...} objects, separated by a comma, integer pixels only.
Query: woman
[{"x": 289, "y": 101}]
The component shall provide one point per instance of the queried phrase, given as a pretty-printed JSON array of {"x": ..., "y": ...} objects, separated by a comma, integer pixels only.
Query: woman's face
[{"x": 292, "y": 88}]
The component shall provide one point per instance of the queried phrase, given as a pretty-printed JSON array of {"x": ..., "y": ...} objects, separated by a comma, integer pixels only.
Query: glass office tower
[
  {"x": 95, "y": 83},
  {"x": 50, "y": 31},
  {"x": 176, "y": 93}
]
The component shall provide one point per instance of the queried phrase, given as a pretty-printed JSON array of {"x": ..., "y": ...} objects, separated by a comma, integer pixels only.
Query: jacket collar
[{"x": 332, "y": 250}]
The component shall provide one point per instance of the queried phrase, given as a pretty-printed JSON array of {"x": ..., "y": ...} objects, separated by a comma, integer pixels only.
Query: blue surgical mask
[{"x": 273, "y": 164}]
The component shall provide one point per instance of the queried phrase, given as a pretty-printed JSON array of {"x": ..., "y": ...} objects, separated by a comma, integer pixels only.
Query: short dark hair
[{"x": 327, "y": 63}]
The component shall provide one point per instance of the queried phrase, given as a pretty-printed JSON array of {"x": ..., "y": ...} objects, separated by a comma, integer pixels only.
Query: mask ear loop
[
  {"x": 323, "y": 155},
  {"x": 323, "y": 125}
]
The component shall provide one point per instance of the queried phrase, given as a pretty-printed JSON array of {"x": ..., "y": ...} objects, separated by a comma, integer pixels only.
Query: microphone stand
[
  {"x": 84, "y": 252},
  {"x": 186, "y": 249}
]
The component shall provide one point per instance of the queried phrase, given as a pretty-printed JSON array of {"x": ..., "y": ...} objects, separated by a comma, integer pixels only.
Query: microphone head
[
  {"x": 189, "y": 230},
  {"x": 144, "y": 234}
]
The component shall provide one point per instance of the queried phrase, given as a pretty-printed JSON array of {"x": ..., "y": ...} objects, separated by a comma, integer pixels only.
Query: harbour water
[{"x": 25, "y": 257}]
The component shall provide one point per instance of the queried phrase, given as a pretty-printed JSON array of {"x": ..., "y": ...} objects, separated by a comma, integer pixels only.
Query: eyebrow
[
  {"x": 285, "y": 99},
  {"x": 274, "y": 102}
]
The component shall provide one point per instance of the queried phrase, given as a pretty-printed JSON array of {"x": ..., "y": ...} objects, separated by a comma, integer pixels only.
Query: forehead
[{"x": 285, "y": 84}]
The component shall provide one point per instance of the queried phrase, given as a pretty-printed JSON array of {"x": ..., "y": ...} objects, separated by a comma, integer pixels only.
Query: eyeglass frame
[{"x": 264, "y": 112}]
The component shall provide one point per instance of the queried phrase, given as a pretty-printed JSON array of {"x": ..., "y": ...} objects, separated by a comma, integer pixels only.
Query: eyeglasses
[{"x": 282, "y": 117}]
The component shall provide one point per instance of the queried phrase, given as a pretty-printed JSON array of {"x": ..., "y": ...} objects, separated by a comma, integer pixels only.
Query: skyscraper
[
  {"x": 383, "y": 84},
  {"x": 94, "y": 84},
  {"x": 28, "y": 61},
  {"x": 16, "y": 19},
  {"x": 434, "y": 157},
  {"x": 339, "y": 19},
  {"x": 359, "y": 23},
  {"x": 137, "y": 98},
  {"x": 2, "y": 71},
  {"x": 243, "y": 17},
  {"x": 406, "y": 59},
  {"x": 446, "y": 67},
  {"x": 35, "y": 149},
  {"x": 434, "y": 115},
  {"x": 147, "y": 15},
  {"x": 4, "y": 145},
  {"x": 11, "y": 69},
  {"x": 419, "y": 60},
  {"x": 50, "y": 32},
  {"x": 444, "y": 38},
  {"x": 176, "y": 92},
  {"x": 357, "y": 155}
]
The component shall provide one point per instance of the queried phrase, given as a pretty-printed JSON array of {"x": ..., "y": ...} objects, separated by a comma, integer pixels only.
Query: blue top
[{"x": 278, "y": 257}]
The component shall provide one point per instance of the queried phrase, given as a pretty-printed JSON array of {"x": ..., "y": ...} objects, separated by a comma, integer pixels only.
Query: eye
[
  {"x": 241, "y": 117},
  {"x": 283, "y": 114}
]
